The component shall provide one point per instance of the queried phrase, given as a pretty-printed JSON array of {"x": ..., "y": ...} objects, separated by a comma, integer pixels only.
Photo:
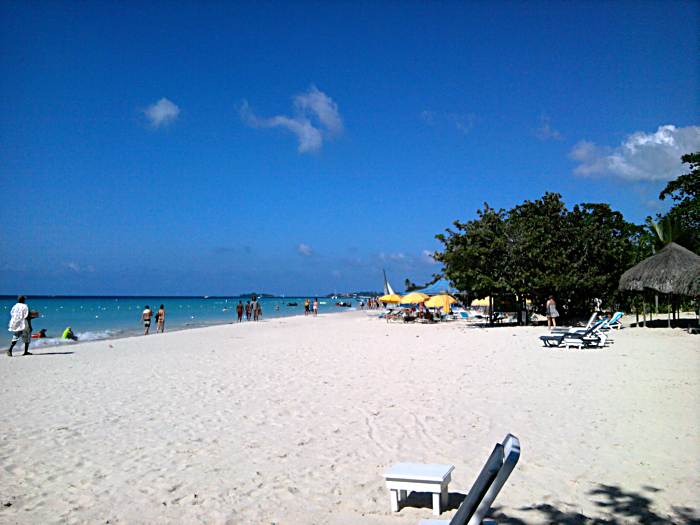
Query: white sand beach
[{"x": 294, "y": 421}]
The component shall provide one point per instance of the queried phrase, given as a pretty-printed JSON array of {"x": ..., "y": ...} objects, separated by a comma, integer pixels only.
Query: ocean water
[{"x": 93, "y": 318}]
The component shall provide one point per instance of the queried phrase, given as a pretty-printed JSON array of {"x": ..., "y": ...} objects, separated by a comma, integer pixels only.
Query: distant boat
[
  {"x": 388, "y": 290},
  {"x": 292, "y": 304}
]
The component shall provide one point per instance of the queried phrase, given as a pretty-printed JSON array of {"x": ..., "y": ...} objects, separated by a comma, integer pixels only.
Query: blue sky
[{"x": 301, "y": 147}]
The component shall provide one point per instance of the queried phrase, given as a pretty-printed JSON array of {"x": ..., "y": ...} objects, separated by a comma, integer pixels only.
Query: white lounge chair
[{"x": 488, "y": 484}]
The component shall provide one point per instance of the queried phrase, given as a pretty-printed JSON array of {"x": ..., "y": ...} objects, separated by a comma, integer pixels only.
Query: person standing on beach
[
  {"x": 254, "y": 308},
  {"x": 160, "y": 319},
  {"x": 258, "y": 311},
  {"x": 316, "y": 306},
  {"x": 307, "y": 306},
  {"x": 247, "y": 310},
  {"x": 551, "y": 310},
  {"x": 239, "y": 311},
  {"x": 146, "y": 318},
  {"x": 20, "y": 325}
]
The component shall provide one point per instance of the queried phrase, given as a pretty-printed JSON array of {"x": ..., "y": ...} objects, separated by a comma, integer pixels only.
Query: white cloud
[
  {"x": 395, "y": 257},
  {"x": 427, "y": 257},
  {"x": 546, "y": 131},
  {"x": 641, "y": 156},
  {"x": 162, "y": 113},
  {"x": 321, "y": 105},
  {"x": 305, "y": 249},
  {"x": 316, "y": 117},
  {"x": 75, "y": 267}
]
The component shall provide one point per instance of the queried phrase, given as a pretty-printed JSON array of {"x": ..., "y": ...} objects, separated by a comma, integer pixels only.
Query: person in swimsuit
[
  {"x": 239, "y": 311},
  {"x": 316, "y": 306},
  {"x": 146, "y": 318},
  {"x": 307, "y": 306},
  {"x": 247, "y": 310},
  {"x": 258, "y": 311},
  {"x": 255, "y": 309},
  {"x": 160, "y": 319},
  {"x": 551, "y": 310}
]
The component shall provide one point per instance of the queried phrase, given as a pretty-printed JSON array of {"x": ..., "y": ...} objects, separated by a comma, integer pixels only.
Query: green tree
[
  {"x": 540, "y": 248},
  {"x": 685, "y": 213},
  {"x": 475, "y": 253}
]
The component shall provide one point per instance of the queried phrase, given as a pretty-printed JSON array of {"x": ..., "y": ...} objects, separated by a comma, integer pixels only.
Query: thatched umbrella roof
[
  {"x": 670, "y": 271},
  {"x": 690, "y": 282}
]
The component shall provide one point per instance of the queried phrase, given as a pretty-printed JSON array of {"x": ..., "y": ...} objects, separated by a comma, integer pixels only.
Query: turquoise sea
[{"x": 94, "y": 318}]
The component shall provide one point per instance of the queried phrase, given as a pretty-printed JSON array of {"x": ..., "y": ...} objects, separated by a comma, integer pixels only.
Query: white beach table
[{"x": 403, "y": 478}]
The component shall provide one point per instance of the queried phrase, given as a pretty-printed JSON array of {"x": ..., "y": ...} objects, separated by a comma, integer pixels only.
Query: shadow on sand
[
  {"x": 662, "y": 322},
  {"x": 51, "y": 353},
  {"x": 421, "y": 500},
  {"x": 619, "y": 506}
]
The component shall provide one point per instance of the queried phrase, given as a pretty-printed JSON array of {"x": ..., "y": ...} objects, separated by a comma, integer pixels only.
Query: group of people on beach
[
  {"x": 251, "y": 308},
  {"x": 373, "y": 303},
  {"x": 21, "y": 327},
  {"x": 310, "y": 307},
  {"x": 147, "y": 316}
]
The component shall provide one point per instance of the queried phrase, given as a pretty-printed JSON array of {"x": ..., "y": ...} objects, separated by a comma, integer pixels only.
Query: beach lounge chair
[
  {"x": 591, "y": 322},
  {"x": 613, "y": 322},
  {"x": 588, "y": 338},
  {"x": 488, "y": 484}
]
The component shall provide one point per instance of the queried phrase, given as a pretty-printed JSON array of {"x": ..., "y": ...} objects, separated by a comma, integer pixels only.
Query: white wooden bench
[{"x": 403, "y": 478}]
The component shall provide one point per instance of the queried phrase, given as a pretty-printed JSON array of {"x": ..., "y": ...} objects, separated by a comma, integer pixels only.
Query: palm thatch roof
[
  {"x": 690, "y": 282},
  {"x": 674, "y": 270}
]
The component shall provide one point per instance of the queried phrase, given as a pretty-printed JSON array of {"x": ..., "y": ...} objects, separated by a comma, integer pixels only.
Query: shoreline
[{"x": 135, "y": 333}]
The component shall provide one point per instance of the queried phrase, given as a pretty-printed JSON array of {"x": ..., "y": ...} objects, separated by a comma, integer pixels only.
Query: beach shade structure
[
  {"x": 390, "y": 298},
  {"x": 669, "y": 271},
  {"x": 441, "y": 301},
  {"x": 690, "y": 283},
  {"x": 439, "y": 287},
  {"x": 481, "y": 302},
  {"x": 414, "y": 298},
  {"x": 674, "y": 270}
]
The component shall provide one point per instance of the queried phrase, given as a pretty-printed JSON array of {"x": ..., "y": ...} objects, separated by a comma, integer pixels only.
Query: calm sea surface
[{"x": 94, "y": 318}]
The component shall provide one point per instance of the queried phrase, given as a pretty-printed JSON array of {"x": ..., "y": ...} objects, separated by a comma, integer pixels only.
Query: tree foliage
[
  {"x": 539, "y": 248},
  {"x": 684, "y": 216}
]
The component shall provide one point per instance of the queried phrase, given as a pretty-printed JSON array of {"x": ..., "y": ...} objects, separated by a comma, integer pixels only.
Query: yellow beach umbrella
[
  {"x": 441, "y": 301},
  {"x": 414, "y": 298},
  {"x": 481, "y": 302},
  {"x": 390, "y": 298}
]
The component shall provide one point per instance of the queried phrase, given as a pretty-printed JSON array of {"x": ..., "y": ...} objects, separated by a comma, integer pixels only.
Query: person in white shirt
[
  {"x": 20, "y": 325},
  {"x": 146, "y": 318}
]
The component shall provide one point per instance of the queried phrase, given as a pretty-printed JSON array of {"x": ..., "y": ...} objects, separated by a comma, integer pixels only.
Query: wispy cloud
[
  {"x": 162, "y": 113},
  {"x": 427, "y": 257},
  {"x": 395, "y": 257},
  {"x": 77, "y": 268},
  {"x": 462, "y": 122},
  {"x": 641, "y": 156},
  {"x": 304, "y": 249},
  {"x": 546, "y": 131},
  {"x": 316, "y": 117}
]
